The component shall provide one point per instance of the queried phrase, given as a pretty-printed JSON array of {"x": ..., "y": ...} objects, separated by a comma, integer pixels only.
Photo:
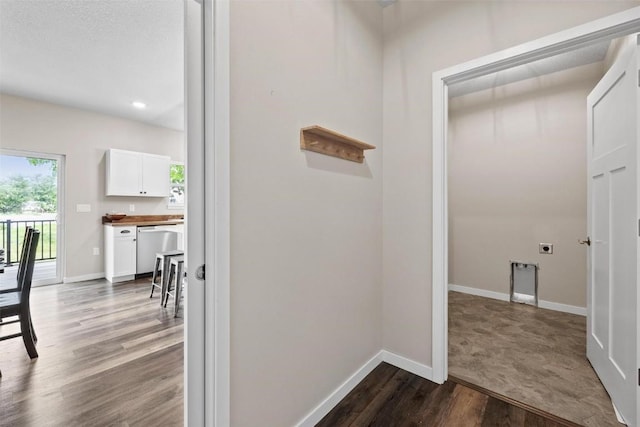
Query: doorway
[
  {"x": 606, "y": 29},
  {"x": 206, "y": 49},
  {"x": 32, "y": 195},
  {"x": 517, "y": 178}
]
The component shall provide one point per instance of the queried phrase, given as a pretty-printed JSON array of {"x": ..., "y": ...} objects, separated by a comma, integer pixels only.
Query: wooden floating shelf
[{"x": 326, "y": 141}]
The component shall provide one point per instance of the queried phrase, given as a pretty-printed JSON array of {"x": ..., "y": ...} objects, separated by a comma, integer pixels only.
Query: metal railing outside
[{"x": 12, "y": 234}]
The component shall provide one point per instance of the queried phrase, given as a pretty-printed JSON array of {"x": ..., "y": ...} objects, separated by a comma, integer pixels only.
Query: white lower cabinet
[{"x": 120, "y": 253}]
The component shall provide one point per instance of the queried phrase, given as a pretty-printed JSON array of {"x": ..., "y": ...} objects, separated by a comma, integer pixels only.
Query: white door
[
  {"x": 124, "y": 255},
  {"x": 613, "y": 228},
  {"x": 194, "y": 319}
]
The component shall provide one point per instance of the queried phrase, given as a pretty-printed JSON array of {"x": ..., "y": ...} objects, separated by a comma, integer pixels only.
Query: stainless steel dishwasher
[{"x": 153, "y": 239}]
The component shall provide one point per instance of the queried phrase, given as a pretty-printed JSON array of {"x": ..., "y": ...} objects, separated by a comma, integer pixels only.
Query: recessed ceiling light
[{"x": 139, "y": 105}]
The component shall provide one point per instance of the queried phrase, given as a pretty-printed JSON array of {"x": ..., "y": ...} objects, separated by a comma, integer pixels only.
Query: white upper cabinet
[
  {"x": 130, "y": 173},
  {"x": 124, "y": 177},
  {"x": 155, "y": 176}
]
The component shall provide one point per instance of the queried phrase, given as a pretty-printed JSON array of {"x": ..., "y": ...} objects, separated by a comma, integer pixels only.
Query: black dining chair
[
  {"x": 17, "y": 303},
  {"x": 12, "y": 287}
]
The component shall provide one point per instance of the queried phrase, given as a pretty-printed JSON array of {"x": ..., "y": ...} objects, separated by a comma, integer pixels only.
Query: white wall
[
  {"x": 83, "y": 137},
  {"x": 306, "y": 231},
  {"x": 419, "y": 39},
  {"x": 517, "y": 177}
]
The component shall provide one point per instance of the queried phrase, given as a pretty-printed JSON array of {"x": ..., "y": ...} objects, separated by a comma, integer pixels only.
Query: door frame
[
  {"x": 60, "y": 220},
  {"x": 604, "y": 29},
  {"x": 218, "y": 208},
  {"x": 207, "y": 332}
]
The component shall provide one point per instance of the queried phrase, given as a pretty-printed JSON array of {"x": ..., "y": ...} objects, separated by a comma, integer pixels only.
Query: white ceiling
[
  {"x": 101, "y": 55},
  {"x": 97, "y": 55}
]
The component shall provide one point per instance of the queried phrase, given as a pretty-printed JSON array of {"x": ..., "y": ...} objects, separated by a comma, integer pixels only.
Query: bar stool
[
  {"x": 176, "y": 274},
  {"x": 162, "y": 258},
  {"x": 178, "y": 295}
]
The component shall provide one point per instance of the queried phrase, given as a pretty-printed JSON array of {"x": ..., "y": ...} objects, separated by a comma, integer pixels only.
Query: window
[{"x": 177, "y": 187}]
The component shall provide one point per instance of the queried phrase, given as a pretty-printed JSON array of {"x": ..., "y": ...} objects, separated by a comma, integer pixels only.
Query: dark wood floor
[
  {"x": 390, "y": 397},
  {"x": 109, "y": 356}
]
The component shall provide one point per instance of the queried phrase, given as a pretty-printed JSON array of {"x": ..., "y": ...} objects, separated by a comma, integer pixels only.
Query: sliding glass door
[{"x": 31, "y": 196}]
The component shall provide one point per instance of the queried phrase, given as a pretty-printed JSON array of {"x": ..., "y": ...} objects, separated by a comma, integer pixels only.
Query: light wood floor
[
  {"x": 532, "y": 355},
  {"x": 43, "y": 271},
  {"x": 109, "y": 356}
]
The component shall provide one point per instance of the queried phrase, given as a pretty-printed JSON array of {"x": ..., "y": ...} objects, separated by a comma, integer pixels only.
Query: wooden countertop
[
  {"x": 142, "y": 223},
  {"x": 136, "y": 220}
]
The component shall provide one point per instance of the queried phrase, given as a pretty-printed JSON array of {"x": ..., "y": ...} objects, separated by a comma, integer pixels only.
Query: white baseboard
[
  {"x": 408, "y": 365},
  {"x": 549, "y": 305},
  {"x": 319, "y": 412},
  {"x": 314, "y": 417},
  {"x": 479, "y": 292},
  {"x": 424, "y": 371},
  {"x": 74, "y": 279},
  {"x": 581, "y": 311}
]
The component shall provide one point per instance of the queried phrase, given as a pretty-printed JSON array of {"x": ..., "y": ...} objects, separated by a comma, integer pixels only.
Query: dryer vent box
[{"x": 524, "y": 283}]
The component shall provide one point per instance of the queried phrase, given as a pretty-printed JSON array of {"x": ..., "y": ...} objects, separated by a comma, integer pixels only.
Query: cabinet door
[
  {"x": 124, "y": 256},
  {"x": 123, "y": 173},
  {"x": 155, "y": 175}
]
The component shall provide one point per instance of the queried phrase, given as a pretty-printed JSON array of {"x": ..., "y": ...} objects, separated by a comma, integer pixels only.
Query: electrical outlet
[
  {"x": 96, "y": 251},
  {"x": 80, "y": 207},
  {"x": 132, "y": 208},
  {"x": 545, "y": 248}
]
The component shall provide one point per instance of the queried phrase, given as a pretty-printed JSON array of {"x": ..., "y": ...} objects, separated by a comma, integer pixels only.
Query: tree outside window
[
  {"x": 177, "y": 187},
  {"x": 28, "y": 185}
]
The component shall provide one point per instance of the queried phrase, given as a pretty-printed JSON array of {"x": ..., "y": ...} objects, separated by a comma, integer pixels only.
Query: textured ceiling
[
  {"x": 97, "y": 55},
  {"x": 101, "y": 55}
]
